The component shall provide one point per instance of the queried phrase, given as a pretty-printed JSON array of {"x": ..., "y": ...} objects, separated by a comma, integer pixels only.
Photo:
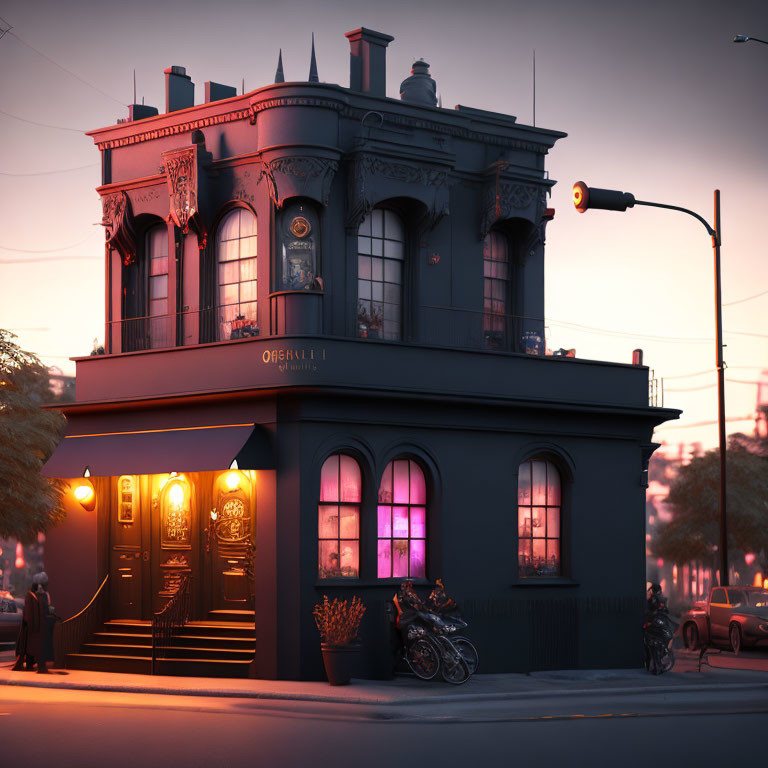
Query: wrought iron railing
[
  {"x": 170, "y": 619},
  {"x": 70, "y": 635},
  {"x": 222, "y": 323}
]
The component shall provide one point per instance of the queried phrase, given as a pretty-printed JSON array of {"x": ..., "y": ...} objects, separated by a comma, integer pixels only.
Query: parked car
[
  {"x": 10, "y": 618},
  {"x": 733, "y": 617}
]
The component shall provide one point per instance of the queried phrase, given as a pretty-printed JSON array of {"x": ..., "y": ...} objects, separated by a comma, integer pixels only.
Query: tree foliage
[
  {"x": 694, "y": 531},
  {"x": 29, "y": 503}
]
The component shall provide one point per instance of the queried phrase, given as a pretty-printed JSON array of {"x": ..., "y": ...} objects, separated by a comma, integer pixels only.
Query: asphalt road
[{"x": 42, "y": 727}]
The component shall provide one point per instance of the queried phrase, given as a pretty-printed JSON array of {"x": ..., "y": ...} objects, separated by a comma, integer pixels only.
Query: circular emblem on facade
[{"x": 299, "y": 226}]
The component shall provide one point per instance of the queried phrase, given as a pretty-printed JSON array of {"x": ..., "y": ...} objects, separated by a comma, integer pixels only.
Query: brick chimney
[
  {"x": 368, "y": 61},
  {"x": 179, "y": 89}
]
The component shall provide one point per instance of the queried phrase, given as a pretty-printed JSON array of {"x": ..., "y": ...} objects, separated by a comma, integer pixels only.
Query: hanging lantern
[{"x": 19, "y": 555}]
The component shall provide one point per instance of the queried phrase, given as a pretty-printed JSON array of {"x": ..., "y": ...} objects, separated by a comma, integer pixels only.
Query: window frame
[
  {"x": 563, "y": 575},
  {"x": 404, "y": 270},
  {"x": 340, "y": 578},
  {"x": 392, "y": 504},
  {"x": 249, "y": 325}
]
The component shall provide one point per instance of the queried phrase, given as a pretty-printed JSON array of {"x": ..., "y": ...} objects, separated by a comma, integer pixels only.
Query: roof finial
[
  {"x": 279, "y": 76},
  {"x": 313, "y": 78}
]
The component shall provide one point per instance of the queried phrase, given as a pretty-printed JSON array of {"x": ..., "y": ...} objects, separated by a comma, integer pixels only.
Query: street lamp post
[
  {"x": 747, "y": 38},
  {"x": 584, "y": 198}
]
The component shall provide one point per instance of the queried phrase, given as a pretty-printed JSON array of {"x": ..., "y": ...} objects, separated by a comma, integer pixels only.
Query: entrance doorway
[{"x": 165, "y": 527}]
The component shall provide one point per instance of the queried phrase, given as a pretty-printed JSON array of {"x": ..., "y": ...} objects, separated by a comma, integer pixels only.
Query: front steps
[{"x": 223, "y": 645}]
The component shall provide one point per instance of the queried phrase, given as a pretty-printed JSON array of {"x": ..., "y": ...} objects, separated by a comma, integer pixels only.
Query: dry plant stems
[{"x": 339, "y": 621}]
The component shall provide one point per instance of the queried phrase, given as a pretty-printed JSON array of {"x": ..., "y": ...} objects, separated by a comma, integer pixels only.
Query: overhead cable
[
  {"x": 42, "y": 125},
  {"x": 64, "y": 69},
  {"x": 49, "y": 173},
  {"x": 49, "y": 250}
]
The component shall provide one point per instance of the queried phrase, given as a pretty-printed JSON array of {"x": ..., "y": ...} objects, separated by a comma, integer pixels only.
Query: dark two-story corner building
[{"x": 325, "y": 357}]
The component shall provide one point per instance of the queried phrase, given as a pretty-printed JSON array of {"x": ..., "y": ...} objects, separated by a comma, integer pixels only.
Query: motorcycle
[
  {"x": 428, "y": 640},
  {"x": 658, "y": 631}
]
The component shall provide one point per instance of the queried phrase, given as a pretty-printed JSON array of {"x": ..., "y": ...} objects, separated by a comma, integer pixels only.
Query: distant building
[{"x": 325, "y": 372}]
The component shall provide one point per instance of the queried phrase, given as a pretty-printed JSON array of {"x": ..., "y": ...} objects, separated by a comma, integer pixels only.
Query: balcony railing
[{"x": 224, "y": 323}]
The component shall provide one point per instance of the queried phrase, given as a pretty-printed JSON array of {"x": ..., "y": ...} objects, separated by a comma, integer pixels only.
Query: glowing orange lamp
[{"x": 85, "y": 494}]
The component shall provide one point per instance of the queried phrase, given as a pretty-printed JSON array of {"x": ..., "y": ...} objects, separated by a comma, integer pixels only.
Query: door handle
[{"x": 145, "y": 556}]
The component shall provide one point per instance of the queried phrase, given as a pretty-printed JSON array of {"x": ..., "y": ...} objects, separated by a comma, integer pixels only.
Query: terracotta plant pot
[{"x": 340, "y": 662}]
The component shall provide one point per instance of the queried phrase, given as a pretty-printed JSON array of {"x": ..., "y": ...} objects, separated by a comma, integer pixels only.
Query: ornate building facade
[{"x": 325, "y": 373}]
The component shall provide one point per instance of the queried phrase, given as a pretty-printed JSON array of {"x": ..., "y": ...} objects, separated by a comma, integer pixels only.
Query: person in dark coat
[{"x": 30, "y": 642}]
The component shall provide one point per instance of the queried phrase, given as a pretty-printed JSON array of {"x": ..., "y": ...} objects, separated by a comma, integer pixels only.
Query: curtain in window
[
  {"x": 338, "y": 524},
  {"x": 156, "y": 250},
  {"x": 236, "y": 275},
  {"x": 402, "y": 521}
]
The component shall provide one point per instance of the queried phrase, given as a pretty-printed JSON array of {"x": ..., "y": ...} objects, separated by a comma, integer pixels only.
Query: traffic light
[{"x": 585, "y": 197}]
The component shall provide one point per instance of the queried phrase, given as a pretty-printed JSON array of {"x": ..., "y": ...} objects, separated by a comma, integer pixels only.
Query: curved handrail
[
  {"x": 70, "y": 634},
  {"x": 90, "y": 603}
]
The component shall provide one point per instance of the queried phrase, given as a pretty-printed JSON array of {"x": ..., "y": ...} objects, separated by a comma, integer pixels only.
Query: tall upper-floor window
[
  {"x": 236, "y": 275},
  {"x": 380, "y": 273},
  {"x": 338, "y": 523},
  {"x": 402, "y": 521},
  {"x": 539, "y": 500},
  {"x": 496, "y": 290},
  {"x": 156, "y": 255},
  {"x": 299, "y": 245}
]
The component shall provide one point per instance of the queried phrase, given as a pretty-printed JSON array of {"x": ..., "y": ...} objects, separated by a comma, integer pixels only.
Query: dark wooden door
[
  {"x": 174, "y": 536},
  {"x": 231, "y": 545},
  {"x": 126, "y": 562}
]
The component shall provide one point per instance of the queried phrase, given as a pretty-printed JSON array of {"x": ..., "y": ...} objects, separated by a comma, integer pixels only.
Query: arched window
[
  {"x": 236, "y": 275},
  {"x": 402, "y": 521},
  {"x": 496, "y": 290},
  {"x": 338, "y": 523},
  {"x": 380, "y": 267},
  {"x": 538, "y": 518}
]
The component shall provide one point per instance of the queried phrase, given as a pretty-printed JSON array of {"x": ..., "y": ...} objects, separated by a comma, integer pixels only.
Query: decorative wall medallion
[
  {"x": 117, "y": 218},
  {"x": 300, "y": 226}
]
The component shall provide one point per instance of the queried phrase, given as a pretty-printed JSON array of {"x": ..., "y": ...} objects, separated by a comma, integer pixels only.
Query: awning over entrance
[{"x": 154, "y": 451}]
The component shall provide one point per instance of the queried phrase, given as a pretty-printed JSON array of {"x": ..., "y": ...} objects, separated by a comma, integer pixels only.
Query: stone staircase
[{"x": 223, "y": 645}]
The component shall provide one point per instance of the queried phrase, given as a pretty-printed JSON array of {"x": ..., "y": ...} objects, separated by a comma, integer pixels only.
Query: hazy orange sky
[{"x": 655, "y": 97}]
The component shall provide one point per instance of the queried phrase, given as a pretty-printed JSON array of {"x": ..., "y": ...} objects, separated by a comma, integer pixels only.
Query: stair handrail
[
  {"x": 70, "y": 634},
  {"x": 173, "y": 616}
]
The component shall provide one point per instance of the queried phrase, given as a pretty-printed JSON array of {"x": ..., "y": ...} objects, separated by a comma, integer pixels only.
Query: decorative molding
[
  {"x": 299, "y": 176},
  {"x": 366, "y": 168},
  {"x": 117, "y": 218},
  {"x": 182, "y": 177},
  {"x": 508, "y": 200},
  {"x": 294, "y": 101},
  {"x": 174, "y": 130}
]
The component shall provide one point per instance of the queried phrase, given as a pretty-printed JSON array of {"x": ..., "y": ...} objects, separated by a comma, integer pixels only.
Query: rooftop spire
[
  {"x": 279, "y": 76},
  {"x": 313, "y": 78}
]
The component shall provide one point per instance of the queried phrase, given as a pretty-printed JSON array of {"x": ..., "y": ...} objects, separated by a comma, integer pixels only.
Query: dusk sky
[{"x": 655, "y": 97}]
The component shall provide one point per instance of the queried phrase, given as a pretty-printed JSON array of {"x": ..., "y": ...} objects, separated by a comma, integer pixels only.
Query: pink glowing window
[
  {"x": 338, "y": 523},
  {"x": 402, "y": 521},
  {"x": 236, "y": 275},
  {"x": 538, "y": 518}
]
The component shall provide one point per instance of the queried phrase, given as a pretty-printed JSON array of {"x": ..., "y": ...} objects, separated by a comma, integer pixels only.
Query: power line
[
  {"x": 41, "y": 259},
  {"x": 627, "y": 334},
  {"x": 49, "y": 173},
  {"x": 64, "y": 69},
  {"x": 702, "y": 423},
  {"x": 710, "y": 386},
  {"x": 48, "y": 250},
  {"x": 42, "y": 125},
  {"x": 748, "y": 298}
]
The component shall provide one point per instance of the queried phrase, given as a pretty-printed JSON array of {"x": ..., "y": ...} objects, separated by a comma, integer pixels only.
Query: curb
[{"x": 331, "y": 699}]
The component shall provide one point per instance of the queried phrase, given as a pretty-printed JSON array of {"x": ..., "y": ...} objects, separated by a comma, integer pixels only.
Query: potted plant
[{"x": 338, "y": 622}]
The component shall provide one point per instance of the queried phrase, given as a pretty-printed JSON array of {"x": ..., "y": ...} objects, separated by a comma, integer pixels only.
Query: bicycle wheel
[
  {"x": 468, "y": 653},
  {"x": 453, "y": 668},
  {"x": 422, "y": 658}
]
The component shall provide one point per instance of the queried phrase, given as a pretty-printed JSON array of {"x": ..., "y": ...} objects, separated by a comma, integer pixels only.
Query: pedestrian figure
[{"x": 30, "y": 644}]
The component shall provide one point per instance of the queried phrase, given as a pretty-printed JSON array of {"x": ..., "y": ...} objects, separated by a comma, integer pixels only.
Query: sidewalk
[{"x": 406, "y": 690}]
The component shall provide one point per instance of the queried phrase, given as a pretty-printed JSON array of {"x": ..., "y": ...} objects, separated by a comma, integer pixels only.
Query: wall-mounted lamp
[
  {"x": 176, "y": 495},
  {"x": 85, "y": 494},
  {"x": 232, "y": 481}
]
